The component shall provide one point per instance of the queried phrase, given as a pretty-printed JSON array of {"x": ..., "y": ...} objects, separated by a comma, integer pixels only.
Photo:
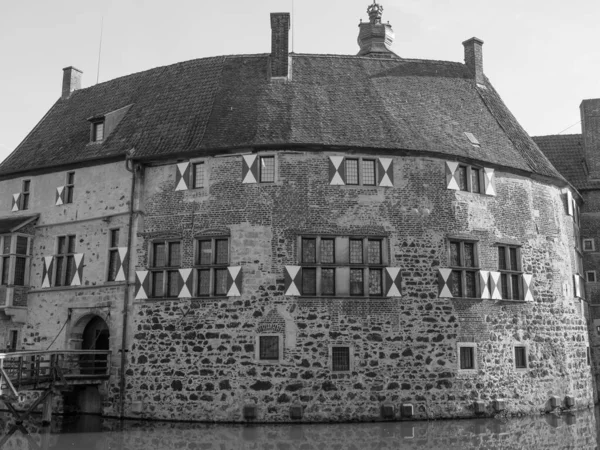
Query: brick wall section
[
  {"x": 280, "y": 26},
  {"x": 194, "y": 359}
]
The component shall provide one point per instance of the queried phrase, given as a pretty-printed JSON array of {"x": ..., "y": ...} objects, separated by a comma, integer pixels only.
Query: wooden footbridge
[{"x": 49, "y": 372}]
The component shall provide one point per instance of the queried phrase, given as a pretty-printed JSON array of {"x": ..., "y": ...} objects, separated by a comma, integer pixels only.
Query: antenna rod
[
  {"x": 293, "y": 40},
  {"x": 100, "y": 50}
]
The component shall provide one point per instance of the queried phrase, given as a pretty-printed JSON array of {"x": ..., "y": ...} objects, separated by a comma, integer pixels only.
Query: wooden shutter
[
  {"x": 451, "y": 176},
  {"x": 185, "y": 283},
  {"x": 445, "y": 283},
  {"x": 78, "y": 273},
  {"x": 484, "y": 278},
  {"x": 142, "y": 284},
  {"x": 182, "y": 176},
  {"x": 249, "y": 169},
  {"x": 489, "y": 181},
  {"x": 16, "y": 202},
  {"x": 393, "y": 282},
  {"x": 122, "y": 252},
  {"x": 60, "y": 196},
  {"x": 385, "y": 172},
  {"x": 527, "y": 287},
  {"x": 292, "y": 279},
  {"x": 234, "y": 281},
  {"x": 569, "y": 203},
  {"x": 576, "y": 286},
  {"x": 47, "y": 267},
  {"x": 336, "y": 171},
  {"x": 495, "y": 285}
]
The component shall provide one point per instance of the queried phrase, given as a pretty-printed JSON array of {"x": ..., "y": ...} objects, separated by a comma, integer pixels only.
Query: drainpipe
[{"x": 127, "y": 262}]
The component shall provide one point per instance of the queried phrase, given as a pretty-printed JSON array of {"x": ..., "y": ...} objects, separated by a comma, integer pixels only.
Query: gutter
[{"x": 127, "y": 285}]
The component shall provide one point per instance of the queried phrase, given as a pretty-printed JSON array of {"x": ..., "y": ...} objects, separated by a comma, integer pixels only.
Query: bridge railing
[{"x": 33, "y": 368}]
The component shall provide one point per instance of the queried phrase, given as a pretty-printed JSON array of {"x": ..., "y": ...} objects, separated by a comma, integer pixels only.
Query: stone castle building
[{"x": 285, "y": 236}]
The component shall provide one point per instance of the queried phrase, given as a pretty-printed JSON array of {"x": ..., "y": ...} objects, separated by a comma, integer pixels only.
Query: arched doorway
[{"x": 96, "y": 336}]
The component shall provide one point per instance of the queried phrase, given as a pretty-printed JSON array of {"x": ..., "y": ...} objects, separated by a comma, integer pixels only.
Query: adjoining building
[
  {"x": 285, "y": 236},
  {"x": 577, "y": 158}
]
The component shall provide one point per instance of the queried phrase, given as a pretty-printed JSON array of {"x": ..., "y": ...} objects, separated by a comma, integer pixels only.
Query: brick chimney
[
  {"x": 375, "y": 38},
  {"x": 71, "y": 81},
  {"x": 280, "y": 31},
  {"x": 474, "y": 58},
  {"x": 590, "y": 130}
]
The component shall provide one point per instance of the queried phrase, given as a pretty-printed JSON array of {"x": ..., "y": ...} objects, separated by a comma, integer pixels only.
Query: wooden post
[{"x": 47, "y": 410}]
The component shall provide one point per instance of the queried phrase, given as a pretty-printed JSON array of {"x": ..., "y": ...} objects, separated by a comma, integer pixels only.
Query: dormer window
[{"x": 97, "y": 131}]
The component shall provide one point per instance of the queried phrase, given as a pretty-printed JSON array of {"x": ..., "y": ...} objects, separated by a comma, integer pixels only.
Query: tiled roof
[
  {"x": 565, "y": 151},
  {"x": 210, "y": 104}
]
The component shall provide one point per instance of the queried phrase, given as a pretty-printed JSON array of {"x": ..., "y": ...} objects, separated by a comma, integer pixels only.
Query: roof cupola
[{"x": 375, "y": 38}]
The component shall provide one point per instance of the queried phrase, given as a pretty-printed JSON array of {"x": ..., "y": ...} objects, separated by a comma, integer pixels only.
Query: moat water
[{"x": 568, "y": 431}]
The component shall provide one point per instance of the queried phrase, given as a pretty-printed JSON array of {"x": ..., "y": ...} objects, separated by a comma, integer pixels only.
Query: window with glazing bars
[
  {"x": 211, "y": 261},
  {"x": 360, "y": 171},
  {"x": 14, "y": 262},
  {"x": 198, "y": 175},
  {"x": 64, "y": 261},
  {"x": 509, "y": 265},
  {"x": 520, "y": 357},
  {"x": 340, "y": 359},
  {"x": 465, "y": 264},
  {"x": 267, "y": 169},
  {"x": 25, "y": 186},
  {"x": 469, "y": 178},
  {"x": 113, "y": 254},
  {"x": 166, "y": 259},
  {"x": 268, "y": 348}
]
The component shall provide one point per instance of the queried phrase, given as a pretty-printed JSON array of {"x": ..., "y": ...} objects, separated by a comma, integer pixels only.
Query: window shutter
[
  {"x": 336, "y": 171},
  {"x": 495, "y": 285},
  {"x": 385, "y": 172},
  {"x": 47, "y": 271},
  {"x": 142, "y": 282},
  {"x": 576, "y": 287},
  {"x": 16, "y": 200},
  {"x": 234, "y": 281},
  {"x": 185, "y": 283},
  {"x": 484, "y": 278},
  {"x": 292, "y": 279},
  {"x": 78, "y": 274},
  {"x": 393, "y": 281},
  {"x": 60, "y": 196},
  {"x": 249, "y": 169},
  {"x": 182, "y": 176},
  {"x": 569, "y": 203},
  {"x": 451, "y": 180},
  {"x": 527, "y": 287},
  {"x": 489, "y": 181},
  {"x": 122, "y": 251},
  {"x": 444, "y": 283}
]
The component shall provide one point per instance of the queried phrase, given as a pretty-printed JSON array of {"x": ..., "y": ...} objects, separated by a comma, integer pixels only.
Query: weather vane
[{"x": 374, "y": 11}]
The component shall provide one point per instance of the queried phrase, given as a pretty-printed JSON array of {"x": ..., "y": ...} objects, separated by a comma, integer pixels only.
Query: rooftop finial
[{"x": 374, "y": 11}]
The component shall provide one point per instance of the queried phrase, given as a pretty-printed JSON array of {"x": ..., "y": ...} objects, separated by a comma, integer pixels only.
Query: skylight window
[
  {"x": 98, "y": 131},
  {"x": 472, "y": 139}
]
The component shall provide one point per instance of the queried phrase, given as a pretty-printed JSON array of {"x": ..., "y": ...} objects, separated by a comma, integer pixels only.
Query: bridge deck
[{"x": 28, "y": 370}]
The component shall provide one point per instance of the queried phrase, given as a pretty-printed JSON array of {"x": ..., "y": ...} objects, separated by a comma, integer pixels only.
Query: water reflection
[{"x": 95, "y": 433}]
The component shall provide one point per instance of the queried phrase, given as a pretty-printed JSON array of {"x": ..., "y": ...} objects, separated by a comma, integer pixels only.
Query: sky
[{"x": 540, "y": 55}]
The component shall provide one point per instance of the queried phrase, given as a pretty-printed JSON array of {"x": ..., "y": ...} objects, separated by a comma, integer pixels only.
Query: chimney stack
[
  {"x": 474, "y": 58},
  {"x": 590, "y": 130},
  {"x": 71, "y": 81},
  {"x": 280, "y": 28}
]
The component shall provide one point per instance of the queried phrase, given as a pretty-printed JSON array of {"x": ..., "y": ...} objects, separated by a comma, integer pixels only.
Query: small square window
[
  {"x": 269, "y": 348},
  {"x": 520, "y": 357},
  {"x": 588, "y": 245},
  {"x": 590, "y": 276},
  {"x": 340, "y": 359}
]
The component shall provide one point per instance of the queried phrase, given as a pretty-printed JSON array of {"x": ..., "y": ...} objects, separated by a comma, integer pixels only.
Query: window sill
[
  {"x": 509, "y": 300},
  {"x": 268, "y": 362},
  {"x": 341, "y": 297}
]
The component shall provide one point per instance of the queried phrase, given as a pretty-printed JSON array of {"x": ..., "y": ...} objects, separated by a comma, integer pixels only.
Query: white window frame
[
  {"x": 472, "y": 345},
  {"x": 587, "y": 276},
  {"x": 469, "y": 168},
  {"x": 257, "y": 348},
  {"x": 592, "y": 247}
]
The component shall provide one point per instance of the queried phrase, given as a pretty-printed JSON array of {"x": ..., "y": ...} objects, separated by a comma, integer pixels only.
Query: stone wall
[{"x": 195, "y": 359}]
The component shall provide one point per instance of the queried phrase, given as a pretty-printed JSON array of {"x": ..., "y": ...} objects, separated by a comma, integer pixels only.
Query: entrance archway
[{"x": 96, "y": 336}]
